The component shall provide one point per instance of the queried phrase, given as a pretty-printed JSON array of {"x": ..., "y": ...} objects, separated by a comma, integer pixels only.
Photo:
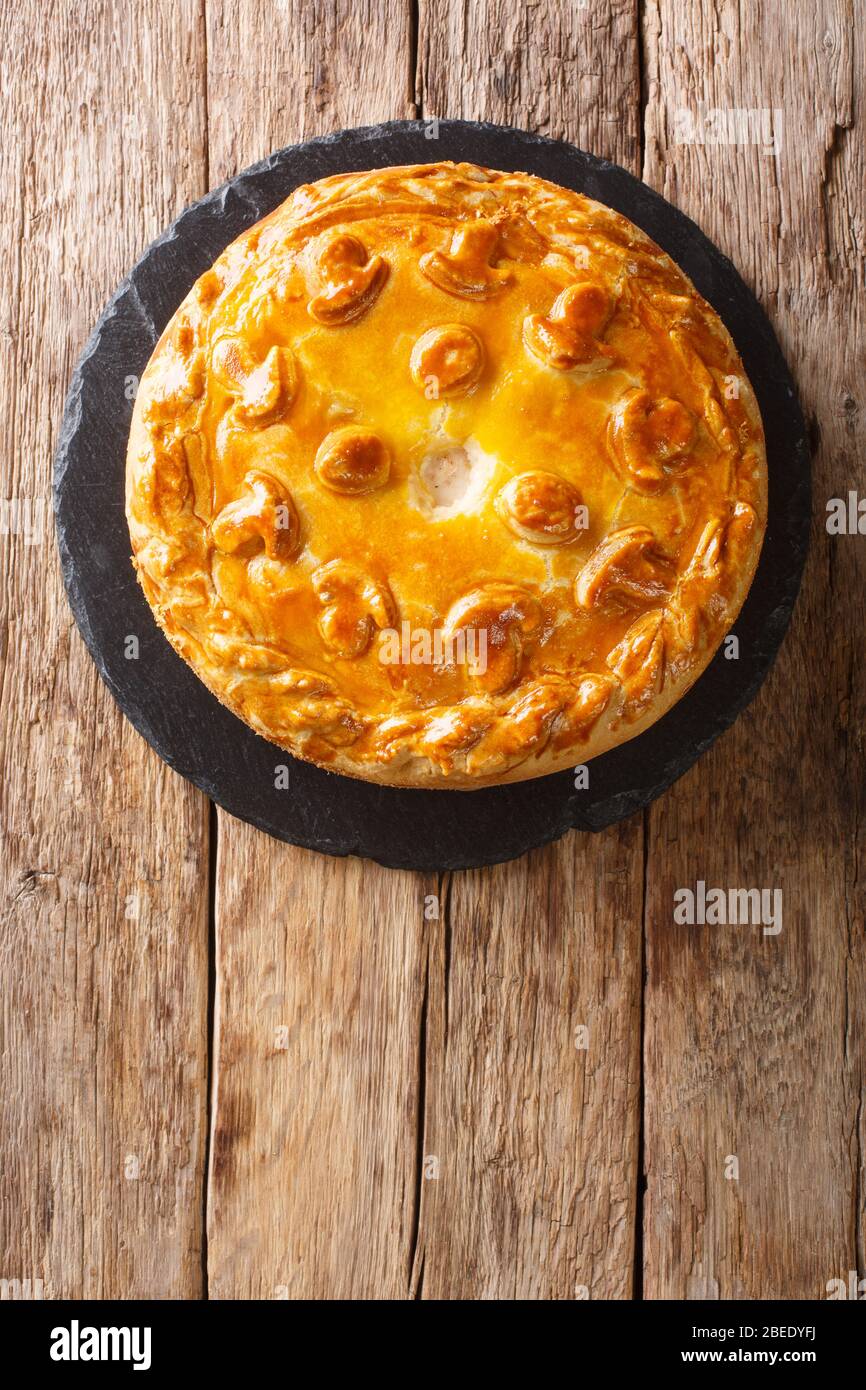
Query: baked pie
[{"x": 444, "y": 477}]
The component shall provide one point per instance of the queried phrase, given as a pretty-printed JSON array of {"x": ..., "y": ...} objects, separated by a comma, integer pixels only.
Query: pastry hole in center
[
  {"x": 453, "y": 479},
  {"x": 447, "y": 475}
]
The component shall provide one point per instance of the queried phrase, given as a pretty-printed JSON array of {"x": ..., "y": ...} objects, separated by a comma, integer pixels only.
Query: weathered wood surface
[
  {"x": 537, "y": 1137},
  {"x": 103, "y": 942},
  {"x": 405, "y": 1102},
  {"x": 318, "y": 974},
  {"x": 754, "y": 1043},
  {"x": 395, "y": 1154}
]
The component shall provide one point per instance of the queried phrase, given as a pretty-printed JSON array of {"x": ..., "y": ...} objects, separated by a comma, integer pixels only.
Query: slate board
[{"x": 207, "y": 744}]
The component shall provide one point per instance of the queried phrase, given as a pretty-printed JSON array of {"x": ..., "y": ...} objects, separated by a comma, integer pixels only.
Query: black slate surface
[{"x": 203, "y": 741}]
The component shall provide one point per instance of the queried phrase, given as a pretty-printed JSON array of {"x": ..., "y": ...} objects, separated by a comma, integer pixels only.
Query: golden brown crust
[{"x": 445, "y": 477}]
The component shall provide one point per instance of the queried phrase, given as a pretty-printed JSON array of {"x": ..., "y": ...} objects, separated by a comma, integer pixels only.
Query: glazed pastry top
[{"x": 443, "y": 400}]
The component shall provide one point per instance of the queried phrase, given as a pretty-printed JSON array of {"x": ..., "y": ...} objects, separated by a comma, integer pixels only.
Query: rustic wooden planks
[
  {"x": 103, "y": 1047},
  {"x": 428, "y": 1088},
  {"x": 563, "y": 68},
  {"x": 493, "y": 1157},
  {"x": 534, "y": 1124},
  {"x": 313, "y": 1163},
  {"x": 313, "y": 1182},
  {"x": 754, "y": 1043},
  {"x": 532, "y": 1071}
]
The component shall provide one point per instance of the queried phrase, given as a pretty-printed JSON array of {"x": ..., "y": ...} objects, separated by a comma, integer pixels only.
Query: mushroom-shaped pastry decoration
[
  {"x": 265, "y": 390},
  {"x": 500, "y": 617},
  {"x": 541, "y": 507},
  {"x": 447, "y": 360},
  {"x": 649, "y": 436},
  {"x": 352, "y": 460},
  {"x": 349, "y": 281},
  {"x": 466, "y": 269},
  {"x": 263, "y": 518},
  {"x": 627, "y": 564},
  {"x": 569, "y": 335},
  {"x": 353, "y": 605}
]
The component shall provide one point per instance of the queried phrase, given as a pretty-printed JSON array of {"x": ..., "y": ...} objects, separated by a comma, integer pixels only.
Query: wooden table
[{"x": 230, "y": 1068}]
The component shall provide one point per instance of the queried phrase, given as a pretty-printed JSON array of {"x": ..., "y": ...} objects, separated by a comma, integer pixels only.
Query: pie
[{"x": 445, "y": 477}]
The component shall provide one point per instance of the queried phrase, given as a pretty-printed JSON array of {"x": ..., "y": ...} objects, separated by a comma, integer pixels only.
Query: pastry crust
[{"x": 445, "y": 477}]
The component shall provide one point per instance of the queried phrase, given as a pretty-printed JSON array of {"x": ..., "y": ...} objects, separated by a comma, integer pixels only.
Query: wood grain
[
  {"x": 103, "y": 1046},
  {"x": 423, "y": 1087},
  {"x": 313, "y": 1181},
  {"x": 313, "y": 68},
  {"x": 313, "y": 1163},
  {"x": 754, "y": 1043},
  {"x": 534, "y": 1124},
  {"x": 532, "y": 1077},
  {"x": 563, "y": 68},
  {"x": 534, "y": 1139}
]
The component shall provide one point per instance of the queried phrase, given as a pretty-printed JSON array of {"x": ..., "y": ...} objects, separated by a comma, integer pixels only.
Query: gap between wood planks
[
  {"x": 213, "y": 828},
  {"x": 640, "y": 1168},
  {"x": 210, "y": 1078}
]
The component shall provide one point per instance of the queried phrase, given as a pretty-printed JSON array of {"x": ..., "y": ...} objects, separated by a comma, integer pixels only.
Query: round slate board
[{"x": 203, "y": 741}]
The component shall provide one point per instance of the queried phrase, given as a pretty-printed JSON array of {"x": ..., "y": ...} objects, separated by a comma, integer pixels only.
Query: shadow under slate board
[{"x": 203, "y": 741}]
